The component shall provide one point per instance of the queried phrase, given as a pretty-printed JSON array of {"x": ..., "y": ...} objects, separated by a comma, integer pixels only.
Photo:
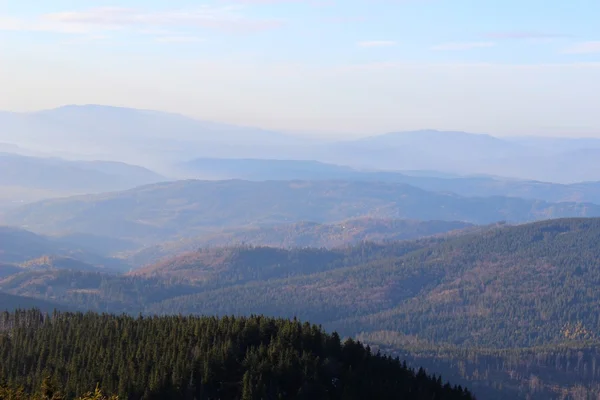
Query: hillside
[
  {"x": 25, "y": 179},
  {"x": 71, "y": 176},
  {"x": 301, "y": 234},
  {"x": 18, "y": 246},
  {"x": 470, "y": 186},
  {"x": 471, "y": 154},
  {"x": 134, "y": 135},
  {"x": 11, "y": 303},
  {"x": 433, "y": 288},
  {"x": 173, "y": 210},
  {"x": 263, "y": 169},
  {"x": 451, "y": 144},
  {"x": 56, "y": 262},
  {"x": 228, "y": 358},
  {"x": 153, "y": 138},
  {"x": 9, "y": 269},
  {"x": 526, "y": 274},
  {"x": 495, "y": 299}
]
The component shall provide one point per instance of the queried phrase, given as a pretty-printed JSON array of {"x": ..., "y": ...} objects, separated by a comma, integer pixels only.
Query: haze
[
  {"x": 320, "y": 68},
  {"x": 326, "y": 182}
]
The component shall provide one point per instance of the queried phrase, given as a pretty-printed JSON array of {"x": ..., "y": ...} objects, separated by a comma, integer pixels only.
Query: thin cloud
[
  {"x": 584, "y": 48},
  {"x": 271, "y": 2},
  {"x": 40, "y": 25},
  {"x": 463, "y": 46},
  {"x": 86, "y": 39},
  {"x": 376, "y": 43},
  {"x": 344, "y": 20},
  {"x": 376, "y": 66},
  {"x": 523, "y": 35},
  {"x": 226, "y": 18},
  {"x": 98, "y": 16},
  {"x": 179, "y": 39}
]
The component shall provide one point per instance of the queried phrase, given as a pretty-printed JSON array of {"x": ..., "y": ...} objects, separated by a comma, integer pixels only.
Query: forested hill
[
  {"x": 520, "y": 301},
  {"x": 199, "y": 357},
  {"x": 470, "y": 290},
  {"x": 304, "y": 234},
  {"x": 169, "y": 211},
  {"x": 10, "y": 302}
]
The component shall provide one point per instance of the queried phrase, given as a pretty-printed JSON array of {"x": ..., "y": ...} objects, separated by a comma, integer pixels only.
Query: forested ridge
[
  {"x": 302, "y": 234},
  {"x": 171, "y": 210},
  {"x": 11, "y": 302},
  {"x": 180, "y": 357},
  {"x": 510, "y": 286},
  {"x": 501, "y": 293}
]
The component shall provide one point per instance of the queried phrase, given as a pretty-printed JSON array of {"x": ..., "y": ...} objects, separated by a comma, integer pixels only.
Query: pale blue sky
[{"x": 349, "y": 67}]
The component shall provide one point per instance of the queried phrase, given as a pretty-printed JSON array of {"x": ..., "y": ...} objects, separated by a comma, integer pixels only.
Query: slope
[
  {"x": 301, "y": 234},
  {"x": 510, "y": 310},
  {"x": 467, "y": 153},
  {"x": 224, "y": 358},
  {"x": 480, "y": 186},
  {"x": 170, "y": 210},
  {"x": 262, "y": 169},
  {"x": 19, "y": 246},
  {"x": 506, "y": 287},
  {"x": 71, "y": 176},
  {"x": 10, "y": 302},
  {"x": 133, "y": 135}
]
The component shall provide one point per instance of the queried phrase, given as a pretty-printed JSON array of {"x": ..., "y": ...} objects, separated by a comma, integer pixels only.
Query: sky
[{"x": 328, "y": 67}]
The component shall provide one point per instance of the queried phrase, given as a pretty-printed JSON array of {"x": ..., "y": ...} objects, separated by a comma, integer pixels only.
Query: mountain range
[
  {"x": 301, "y": 234},
  {"x": 23, "y": 249},
  {"x": 173, "y": 210},
  {"x": 123, "y": 134},
  {"x": 464, "y": 253},
  {"x": 431, "y": 287},
  {"x": 27, "y": 178},
  {"x": 470, "y": 186},
  {"x": 162, "y": 141},
  {"x": 510, "y": 310}
]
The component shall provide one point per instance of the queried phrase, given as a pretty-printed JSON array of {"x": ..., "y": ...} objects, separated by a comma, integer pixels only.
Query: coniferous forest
[
  {"x": 68, "y": 355},
  {"x": 506, "y": 311}
]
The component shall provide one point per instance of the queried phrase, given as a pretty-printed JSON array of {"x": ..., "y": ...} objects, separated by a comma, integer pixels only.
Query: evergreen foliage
[{"x": 175, "y": 357}]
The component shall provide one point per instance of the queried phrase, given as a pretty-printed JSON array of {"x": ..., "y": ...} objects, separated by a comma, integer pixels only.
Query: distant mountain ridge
[
  {"x": 19, "y": 247},
  {"x": 153, "y": 138},
  {"x": 83, "y": 176},
  {"x": 302, "y": 234},
  {"x": 470, "y": 186},
  {"x": 155, "y": 213},
  {"x": 27, "y": 178},
  {"x": 459, "y": 144},
  {"x": 132, "y": 135},
  {"x": 263, "y": 169},
  {"x": 468, "y": 153}
]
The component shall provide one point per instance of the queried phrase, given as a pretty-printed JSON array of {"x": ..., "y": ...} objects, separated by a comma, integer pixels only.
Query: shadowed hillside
[
  {"x": 493, "y": 298},
  {"x": 227, "y": 358},
  {"x": 303, "y": 234},
  {"x": 156, "y": 213},
  {"x": 18, "y": 246}
]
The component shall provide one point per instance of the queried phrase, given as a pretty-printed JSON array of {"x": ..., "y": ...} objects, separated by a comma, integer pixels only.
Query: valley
[
  {"x": 486, "y": 279},
  {"x": 299, "y": 200},
  {"x": 173, "y": 210},
  {"x": 494, "y": 295}
]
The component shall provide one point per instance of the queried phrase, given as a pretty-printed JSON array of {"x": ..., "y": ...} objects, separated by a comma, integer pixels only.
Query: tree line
[{"x": 178, "y": 357}]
